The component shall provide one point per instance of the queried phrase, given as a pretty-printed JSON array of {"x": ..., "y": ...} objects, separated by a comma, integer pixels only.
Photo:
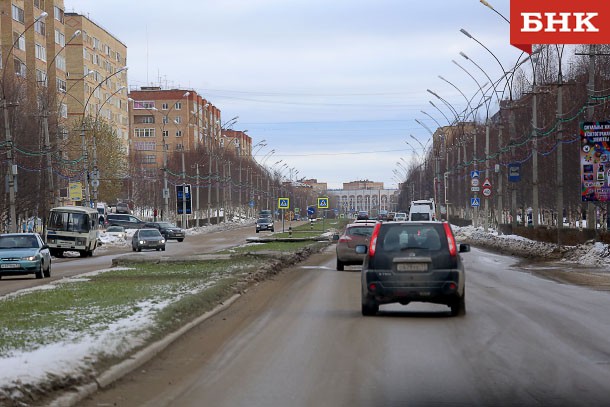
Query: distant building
[
  {"x": 319, "y": 187},
  {"x": 96, "y": 75},
  {"x": 364, "y": 184},
  {"x": 363, "y": 196}
]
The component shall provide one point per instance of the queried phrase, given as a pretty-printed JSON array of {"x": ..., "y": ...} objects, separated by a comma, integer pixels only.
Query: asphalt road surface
[{"x": 300, "y": 340}]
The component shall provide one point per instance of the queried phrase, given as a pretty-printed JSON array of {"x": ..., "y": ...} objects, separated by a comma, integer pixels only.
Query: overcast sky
[{"x": 333, "y": 86}]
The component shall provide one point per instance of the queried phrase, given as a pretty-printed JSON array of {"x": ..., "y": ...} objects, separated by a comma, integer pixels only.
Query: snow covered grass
[{"x": 65, "y": 330}]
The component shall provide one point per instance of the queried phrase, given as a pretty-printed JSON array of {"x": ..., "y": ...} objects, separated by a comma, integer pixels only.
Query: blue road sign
[
  {"x": 475, "y": 201},
  {"x": 310, "y": 210},
  {"x": 474, "y": 174},
  {"x": 283, "y": 203},
  {"x": 322, "y": 203},
  {"x": 514, "y": 172}
]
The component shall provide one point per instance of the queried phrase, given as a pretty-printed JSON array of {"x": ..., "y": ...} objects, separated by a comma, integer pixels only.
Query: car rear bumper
[{"x": 405, "y": 290}]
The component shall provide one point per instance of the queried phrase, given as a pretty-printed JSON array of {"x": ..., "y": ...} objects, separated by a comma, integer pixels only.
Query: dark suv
[
  {"x": 413, "y": 262},
  {"x": 127, "y": 221},
  {"x": 168, "y": 230}
]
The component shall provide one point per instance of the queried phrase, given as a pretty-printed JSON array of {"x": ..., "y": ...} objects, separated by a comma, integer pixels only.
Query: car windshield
[
  {"x": 149, "y": 233},
  {"x": 18, "y": 242},
  {"x": 264, "y": 220},
  {"x": 166, "y": 225},
  {"x": 115, "y": 229}
]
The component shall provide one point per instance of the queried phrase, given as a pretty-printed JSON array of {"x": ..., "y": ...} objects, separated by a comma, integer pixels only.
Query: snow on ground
[{"x": 73, "y": 357}]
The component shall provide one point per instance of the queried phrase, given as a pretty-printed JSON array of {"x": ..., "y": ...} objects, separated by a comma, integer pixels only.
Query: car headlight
[
  {"x": 162, "y": 240},
  {"x": 29, "y": 258},
  {"x": 141, "y": 242}
]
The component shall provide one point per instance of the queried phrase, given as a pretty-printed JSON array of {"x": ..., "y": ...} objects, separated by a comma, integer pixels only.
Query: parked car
[
  {"x": 116, "y": 231},
  {"x": 168, "y": 230},
  {"x": 122, "y": 207},
  {"x": 355, "y": 233},
  {"x": 147, "y": 238},
  {"x": 413, "y": 262},
  {"x": 127, "y": 221},
  {"x": 24, "y": 253},
  {"x": 264, "y": 224}
]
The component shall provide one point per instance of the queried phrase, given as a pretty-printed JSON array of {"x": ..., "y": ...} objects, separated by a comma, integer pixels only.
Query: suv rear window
[
  {"x": 366, "y": 231},
  {"x": 398, "y": 239},
  {"x": 419, "y": 216}
]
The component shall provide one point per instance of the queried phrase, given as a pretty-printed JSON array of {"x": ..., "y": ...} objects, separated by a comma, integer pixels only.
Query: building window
[
  {"x": 165, "y": 120},
  {"x": 179, "y": 147},
  {"x": 41, "y": 52},
  {"x": 178, "y": 120},
  {"x": 164, "y": 106},
  {"x": 19, "y": 41},
  {"x": 40, "y": 27},
  {"x": 58, "y": 14},
  {"x": 149, "y": 159},
  {"x": 60, "y": 63},
  {"x": 60, "y": 38},
  {"x": 143, "y": 104},
  {"x": 145, "y": 119},
  {"x": 61, "y": 85},
  {"x": 18, "y": 14},
  {"x": 39, "y": 4},
  {"x": 41, "y": 77},
  {"x": 63, "y": 112},
  {"x": 19, "y": 68},
  {"x": 144, "y": 132},
  {"x": 178, "y": 105},
  {"x": 165, "y": 133},
  {"x": 179, "y": 133},
  {"x": 145, "y": 145}
]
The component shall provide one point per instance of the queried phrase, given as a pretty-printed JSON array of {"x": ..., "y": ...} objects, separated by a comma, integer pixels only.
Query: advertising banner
[{"x": 595, "y": 161}]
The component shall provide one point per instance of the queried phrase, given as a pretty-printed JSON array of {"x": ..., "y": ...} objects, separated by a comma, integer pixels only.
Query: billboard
[{"x": 595, "y": 161}]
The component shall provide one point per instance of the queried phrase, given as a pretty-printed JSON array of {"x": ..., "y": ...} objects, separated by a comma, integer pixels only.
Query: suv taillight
[
  {"x": 373, "y": 243},
  {"x": 450, "y": 239}
]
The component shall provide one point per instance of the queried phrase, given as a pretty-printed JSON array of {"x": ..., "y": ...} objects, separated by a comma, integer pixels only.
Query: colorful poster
[{"x": 595, "y": 161}]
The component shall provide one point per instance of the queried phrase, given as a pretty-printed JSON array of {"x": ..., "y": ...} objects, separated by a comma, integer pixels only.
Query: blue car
[{"x": 24, "y": 253}]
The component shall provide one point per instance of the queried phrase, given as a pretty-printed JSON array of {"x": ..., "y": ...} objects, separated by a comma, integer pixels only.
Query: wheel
[
  {"x": 39, "y": 272},
  {"x": 180, "y": 240},
  {"x": 369, "y": 308},
  {"x": 47, "y": 272},
  {"x": 139, "y": 249},
  {"x": 256, "y": 230},
  {"x": 82, "y": 253},
  {"x": 273, "y": 230},
  {"x": 340, "y": 265},
  {"x": 163, "y": 248},
  {"x": 133, "y": 248},
  {"x": 158, "y": 249},
  {"x": 458, "y": 307},
  {"x": 60, "y": 254}
]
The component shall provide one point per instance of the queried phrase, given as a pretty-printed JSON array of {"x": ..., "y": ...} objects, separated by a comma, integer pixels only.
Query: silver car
[
  {"x": 150, "y": 239},
  {"x": 24, "y": 253}
]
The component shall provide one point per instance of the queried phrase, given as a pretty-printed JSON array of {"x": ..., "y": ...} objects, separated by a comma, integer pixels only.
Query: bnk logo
[{"x": 559, "y": 22}]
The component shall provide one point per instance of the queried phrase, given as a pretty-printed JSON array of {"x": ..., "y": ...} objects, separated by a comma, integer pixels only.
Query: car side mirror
[
  {"x": 464, "y": 247},
  {"x": 335, "y": 237},
  {"x": 45, "y": 246},
  {"x": 361, "y": 249}
]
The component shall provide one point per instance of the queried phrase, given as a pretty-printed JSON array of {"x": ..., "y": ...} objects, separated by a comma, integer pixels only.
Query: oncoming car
[
  {"x": 355, "y": 233},
  {"x": 24, "y": 253},
  {"x": 150, "y": 239},
  {"x": 264, "y": 224},
  {"x": 413, "y": 262},
  {"x": 116, "y": 231},
  {"x": 168, "y": 230}
]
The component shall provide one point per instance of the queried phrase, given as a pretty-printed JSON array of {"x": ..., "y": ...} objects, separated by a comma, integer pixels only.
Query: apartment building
[
  {"x": 237, "y": 141},
  {"x": 96, "y": 75},
  {"x": 164, "y": 121},
  {"x": 32, "y": 49}
]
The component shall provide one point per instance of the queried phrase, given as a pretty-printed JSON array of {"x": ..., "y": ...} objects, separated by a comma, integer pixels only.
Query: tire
[
  {"x": 163, "y": 248},
  {"x": 133, "y": 248},
  {"x": 340, "y": 265},
  {"x": 458, "y": 307},
  {"x": 47, "y": 272},
  {"x": 369, "y": 308},
  {"x": 39, "y": 272},
  {"x": 83, "y": 253},
  {"x": 139, "y": 249},
  {"x": 158, "y": 248},
  {"x": 256, "y": 230},
  {"x": 180, "y": 240}
]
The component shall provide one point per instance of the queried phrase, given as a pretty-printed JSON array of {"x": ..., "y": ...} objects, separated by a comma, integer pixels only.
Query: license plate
[
  {"x": 410, "y": 267},
  {"x": 10, "y": 266}
]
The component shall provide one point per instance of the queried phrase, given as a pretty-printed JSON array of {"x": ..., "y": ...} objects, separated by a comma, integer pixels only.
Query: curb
[{"x": 133, "y": 362}]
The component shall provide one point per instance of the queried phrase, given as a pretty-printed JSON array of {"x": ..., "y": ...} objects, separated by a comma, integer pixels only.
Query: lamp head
[
  {"x": 42, "y": 16},
  {"x": 464, "y": 55},
  {"x": 466, "y": 33}
]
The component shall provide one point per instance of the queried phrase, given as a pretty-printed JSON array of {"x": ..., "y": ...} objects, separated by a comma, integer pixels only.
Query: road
[
  {"x": 300, "y": 340},
  {"x": 102, "y": 258}
]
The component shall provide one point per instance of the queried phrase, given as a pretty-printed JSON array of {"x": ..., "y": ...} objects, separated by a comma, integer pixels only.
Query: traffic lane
[
  {"x": 102, "y": 258},
  {"x": 524, "y": 341}
]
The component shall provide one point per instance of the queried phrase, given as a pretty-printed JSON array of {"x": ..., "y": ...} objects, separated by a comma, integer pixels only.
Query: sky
[{"x": 331, "y": 88}]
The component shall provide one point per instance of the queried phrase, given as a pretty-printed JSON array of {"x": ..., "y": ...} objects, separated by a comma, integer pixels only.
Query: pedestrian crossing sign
[
  {"x": 283, "y": 203},
  {"x": 475, "y": 202},
  {"x": 322, "y": 203}
]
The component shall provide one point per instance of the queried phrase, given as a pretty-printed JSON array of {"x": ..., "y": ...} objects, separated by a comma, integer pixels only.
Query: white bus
[{"x": 72, "y": 228}]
